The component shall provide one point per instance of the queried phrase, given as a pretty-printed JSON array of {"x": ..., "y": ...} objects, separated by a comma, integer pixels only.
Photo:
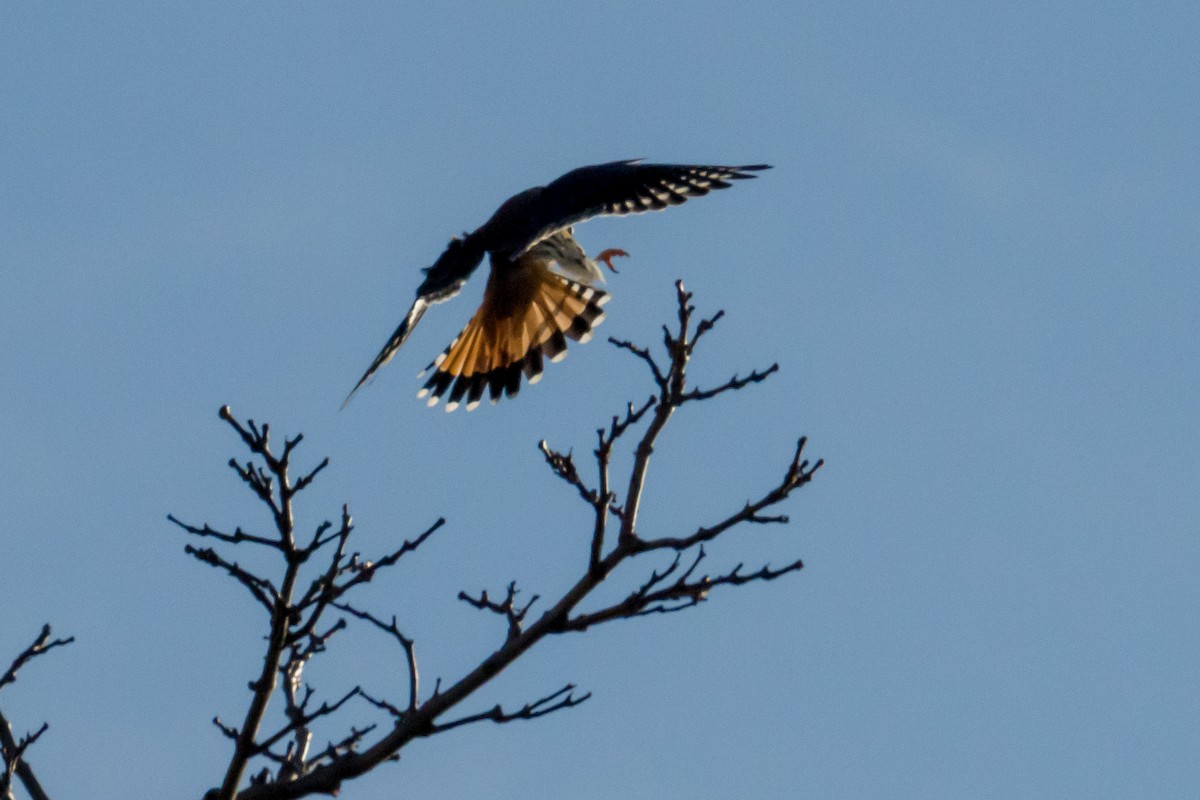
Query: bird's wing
[
  {"x": 442, "y": 281},
  {"x": 623, "y": 187},
  {"x": 615, "y": 188}
]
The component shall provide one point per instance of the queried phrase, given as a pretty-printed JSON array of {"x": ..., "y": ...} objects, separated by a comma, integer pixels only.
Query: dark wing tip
[
  {"x": 401, "y": 333},
  {"x": 749, "y": 168}
]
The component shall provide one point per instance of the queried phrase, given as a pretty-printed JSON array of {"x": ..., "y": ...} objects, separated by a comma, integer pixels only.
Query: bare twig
[
  {"x": 302, "y": 719},
  {"x": 681, "y": 594},
  {"x": 14, "y": 758},
  {"x": 506, "y": 608},
  {"x": 261, "y": 588},
  {"x": 406, "y": 644},
  {"x": 563, "y": 466},
  {"x": 555, "y": 701},
  {"x": 41, "y": 645},
  {"x": 236, "y": 537},
  {"x": 644, "y": 354},
  {"x": 733, "y": 383},
  {"x": 798, "y": 473},
  {"x": 13, "y": 750},
  {"x": 336, "y": 750}
]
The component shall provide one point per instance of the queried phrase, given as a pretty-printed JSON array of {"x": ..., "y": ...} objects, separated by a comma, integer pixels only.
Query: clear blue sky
[{"x": 976, "y": 261}]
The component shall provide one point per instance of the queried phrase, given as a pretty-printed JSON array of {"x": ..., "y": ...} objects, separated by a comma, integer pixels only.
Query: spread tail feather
[{"x": 497, "y": 347}]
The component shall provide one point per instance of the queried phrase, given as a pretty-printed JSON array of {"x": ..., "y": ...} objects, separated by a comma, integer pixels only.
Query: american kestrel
[{"x": 529, "y": 307}]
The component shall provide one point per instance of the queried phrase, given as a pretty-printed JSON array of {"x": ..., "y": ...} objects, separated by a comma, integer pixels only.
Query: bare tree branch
[
  {"x": 12, "y": 750},
  {"x": 732, "y": 384},
  {"x": 336, "y": 750},
  {"x": 507, "y": 608},
  {"x": 261, "y": 588},
  {"x": 644, "y": 354},
  {"x": 41, "y": 645},
  {"x": 410, "y": 655},
  {"x": 236, "y": 537},
  {"x": 14, "y": 758},
  {"x": 563, "y": 466},
  {"x": 681, "y": 594},
  {"x": 556, "y": 701},
  {"x": 799, "y": 472},
  {"x": 296, "y": 615}
]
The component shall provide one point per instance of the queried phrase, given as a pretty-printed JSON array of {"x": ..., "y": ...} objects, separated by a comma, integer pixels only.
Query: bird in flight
[{"x": 542, "y": 286}]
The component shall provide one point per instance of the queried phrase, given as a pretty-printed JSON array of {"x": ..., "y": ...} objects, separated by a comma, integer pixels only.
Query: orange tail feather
[{"x": 498, "y": 345}]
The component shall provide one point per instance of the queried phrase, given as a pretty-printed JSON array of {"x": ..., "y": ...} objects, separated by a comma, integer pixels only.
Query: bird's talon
[{"x": 607, "y": 257}]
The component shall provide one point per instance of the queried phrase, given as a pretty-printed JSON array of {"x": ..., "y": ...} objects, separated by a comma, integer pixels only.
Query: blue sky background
[{"x": 976, "y": 261}]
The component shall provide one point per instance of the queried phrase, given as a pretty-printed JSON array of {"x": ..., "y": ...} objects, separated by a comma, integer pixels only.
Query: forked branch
[
  {"x": 13, "y": 749},
  {"x": 614, "y": 538}
]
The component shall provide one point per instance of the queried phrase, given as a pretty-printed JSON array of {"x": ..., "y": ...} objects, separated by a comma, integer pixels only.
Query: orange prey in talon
[{"x": 542, "y": 288}]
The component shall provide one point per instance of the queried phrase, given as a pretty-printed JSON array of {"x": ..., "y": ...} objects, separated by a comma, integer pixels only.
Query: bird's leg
[{"x": 607, "y": 257}]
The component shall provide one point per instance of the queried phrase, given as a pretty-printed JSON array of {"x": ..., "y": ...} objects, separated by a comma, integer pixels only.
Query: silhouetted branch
[
  {"x": 556, "y": 701},
  {"x": 682, "y": 593},
  {"x": 733, "y": 383},
  {"x": 799, "y": 472},
  {"x": 300, "y": 718},
  {"x": 227, "y": 730},
  {"x": 644, "y": 354},
  {"x": 704, "y": 327},
  {"x": 15, "y": 757},
  {"x": 296, "y": 615},
  {"x": 564, "y": 467},
  {"x": 507, "y": 608},
  {"x": 339, "y": 749},
  {"x": 296, "y": 634},
  {"x": 236, "y": 537},
  {"x": 41, "y": 645},
  {"x": 262, "y": 589},
  {"x": 410, "y": 656},
  {"x": 12, "y": 750}
]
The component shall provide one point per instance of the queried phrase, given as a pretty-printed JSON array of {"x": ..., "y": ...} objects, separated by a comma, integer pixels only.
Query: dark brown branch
[
  {"x": 228, "y": 731},
  {"x": 325, "y": 589},
  {"x": 798, "y": 473},
  {"x": 16, "y": 756},
  {"x": 384, "y": 705},
  {"x": 618, "y": 426},
  {"x": 304, "y": 718},
  {"x": 41, "y": 645},
  {"x": 335, "y": 750},
  {"x": 406, "y": 644},
  {"x": 314, "y": 643},
  {"x": 556, "y": 701},
  {"x": 261, "y": 588},
  {"x": 236, "y": 537},
  {"x": 507, "y": 608},
  {"x": 304, "y": 481},
  {"x": 704, "y": 327},
  {"x": 676, "y": 586},
  {"x": 733, "y": 383},
  {"x": 603, "y": 500},
  {"x": 12, "y": 750},
  {"x": 644, "y": 354},
  {"x": 564, "y": 467},
  {"x": 683, "y": 593},
  {"x": 278, "y": 602},
  {"x": 294, "y": 623}
]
